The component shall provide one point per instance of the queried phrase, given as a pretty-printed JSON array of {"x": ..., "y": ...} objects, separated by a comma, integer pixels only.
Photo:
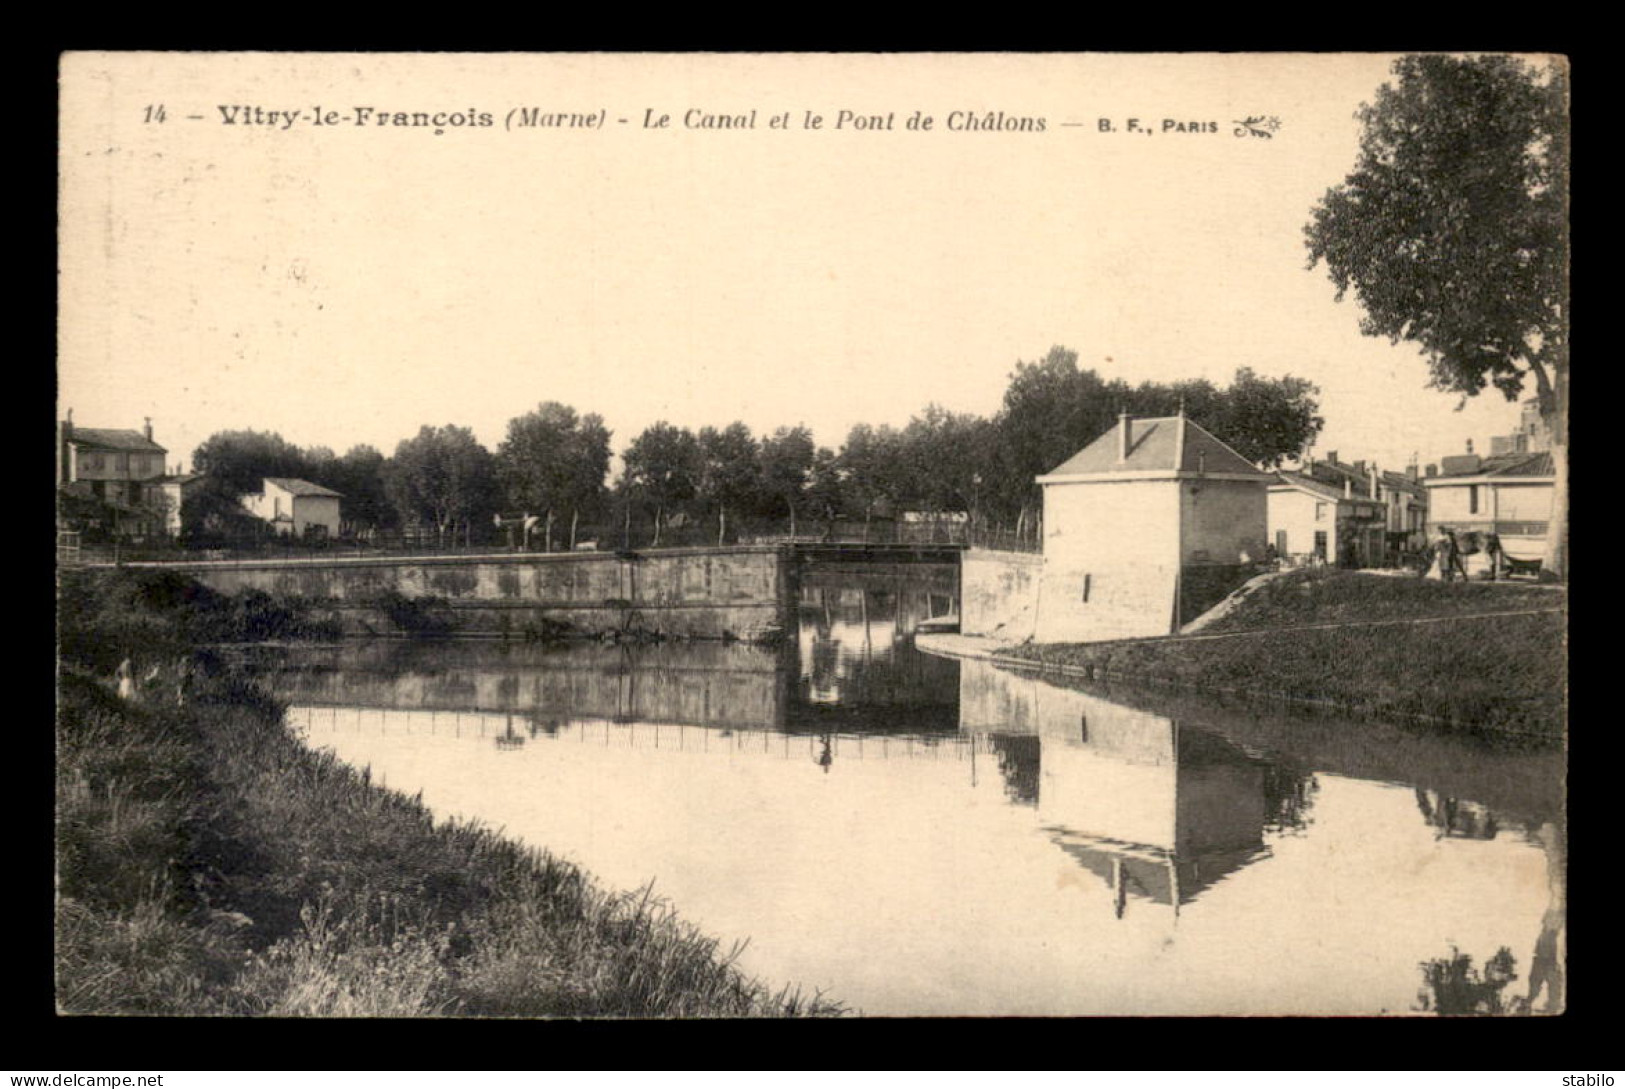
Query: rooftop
[
  {"x": 1537, "y": 464},
  {"x": 297, "y": 487},
  {"x": 114, "y": 439},
  {"x": 1156, "y": 444},
  {"x": 1317, "y": 487}
]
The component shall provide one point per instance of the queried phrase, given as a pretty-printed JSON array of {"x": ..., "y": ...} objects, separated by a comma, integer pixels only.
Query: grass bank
[
  {"x": 1466, "y": 671},
  {"x": 210, "y": 864}
]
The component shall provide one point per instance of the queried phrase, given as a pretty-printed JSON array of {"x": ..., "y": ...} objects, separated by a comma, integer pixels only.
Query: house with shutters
[
  {"x": 1146, "y": 528},
  {"x": 110, "y": 480}
]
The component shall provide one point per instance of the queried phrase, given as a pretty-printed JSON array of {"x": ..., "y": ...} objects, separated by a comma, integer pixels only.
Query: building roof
[
  {"x": 1157, "y": 444},
  {"x": 1318, "y": 488},
  {"x": 1504, "y": 465},
  {"x": 176, "y": 478},
  {"x": 297, "y": 487},
  {"x": 114, "y": 439},
  {"x": 1402, "y": 481}
]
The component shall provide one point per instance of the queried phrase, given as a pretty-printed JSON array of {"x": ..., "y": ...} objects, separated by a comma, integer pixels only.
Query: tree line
[{"x": 554, "y": 464}]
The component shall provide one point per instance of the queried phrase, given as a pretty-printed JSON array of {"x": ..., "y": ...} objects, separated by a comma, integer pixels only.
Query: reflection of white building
[{"x": 1156, "y": 811}]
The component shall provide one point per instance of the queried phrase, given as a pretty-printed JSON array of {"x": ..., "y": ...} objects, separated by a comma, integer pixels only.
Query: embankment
[
  {"x": 1474, "y": 657},
  {"x": 743, "y": 591},
  {"x": 209, "y": 863}
]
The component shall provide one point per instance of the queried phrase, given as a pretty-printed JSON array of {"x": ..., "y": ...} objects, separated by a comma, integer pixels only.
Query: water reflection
[
  {"x": 1155, "y": 809},
  {"x": 923, "y": 836}
]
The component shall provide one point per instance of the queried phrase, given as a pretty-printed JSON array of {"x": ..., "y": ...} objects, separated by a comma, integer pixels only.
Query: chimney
[
  {"x": 1433, "y": 470},
  {"x": 1331, "y": 457},
  {"x": 149, "y": 427},
  {"x": 1348, "y": 488},
  {"x": 1125, "y": 424},
  {"x": 1469, "y": 446},
  {"x": 1375, "y": 477},
  {"x": 1359, "y": 466}
]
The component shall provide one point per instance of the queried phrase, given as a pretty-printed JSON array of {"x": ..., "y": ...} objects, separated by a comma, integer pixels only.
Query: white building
[
  {"x": 1509, "y": 495},
  {"x": 1144, "y": 529},
  {"x": 293, "y": 507}
]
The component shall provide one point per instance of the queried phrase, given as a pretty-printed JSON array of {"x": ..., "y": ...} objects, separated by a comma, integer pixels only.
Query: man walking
[{"x": 1449, "y": 556}]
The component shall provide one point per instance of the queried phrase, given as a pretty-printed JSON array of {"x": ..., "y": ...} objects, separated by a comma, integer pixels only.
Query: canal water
[{"x": 916, "y": 835}]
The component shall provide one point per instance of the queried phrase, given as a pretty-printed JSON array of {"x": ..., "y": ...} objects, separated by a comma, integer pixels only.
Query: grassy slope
[
  {"x": 1500, "y": 673},
  {"x": 210, "y": 864}
]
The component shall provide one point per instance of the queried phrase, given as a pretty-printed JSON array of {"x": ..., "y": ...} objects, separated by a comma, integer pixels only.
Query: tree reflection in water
[
  {"x": 1018, "y": 756},
  {"x": 1454, "y": 988}
]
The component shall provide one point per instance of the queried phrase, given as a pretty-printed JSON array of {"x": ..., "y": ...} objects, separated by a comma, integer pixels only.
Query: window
[
  {"x": 1320, "y": 512},
  {"x": 1472, "y": 499}
]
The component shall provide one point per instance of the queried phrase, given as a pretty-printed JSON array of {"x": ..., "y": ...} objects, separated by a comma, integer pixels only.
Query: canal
[{"x": 915, "y": 835}]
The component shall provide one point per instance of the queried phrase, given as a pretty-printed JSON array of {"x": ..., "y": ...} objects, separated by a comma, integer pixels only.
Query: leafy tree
[
  {"x": 1452, "y": 231},
  {"x": 730, "y": 471},
  {"x": 359, "y": 477},
  {"x": 825, "y": 492},
  {"x": 663, "y": 465},
  {"x": 211, "y": 515},
  {"x": 443, "y": 478},
  {"x": 1265, "y": 420},
  {"x": 946, "y": 454},
  {"x": 554, "y": 461},
  {"x": 1052, "y": 409},
  {"x": 870, "y": 464},
  {"x": 787, "y": 464},
  {"x": 238, "y": 461}
]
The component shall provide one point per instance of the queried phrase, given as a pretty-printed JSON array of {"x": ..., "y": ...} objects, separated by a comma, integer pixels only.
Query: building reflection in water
[
  {"x": 1215, "y": 812},
  {"x": 1157, "y": 810}
]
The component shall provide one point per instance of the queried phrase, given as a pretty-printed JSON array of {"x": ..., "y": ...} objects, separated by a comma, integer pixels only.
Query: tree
[
  {"x": 730, "y": 471},
  {"x": 1265, "y": 420},
  {"x": 1452, "y": 232},
  {"x": 663, "y": 464},
  {"x": 946, "y": 454},
  {"x": 826, "y": 490},
  {"x": 871, "y": 467},
  {"x": 554, "y": 461},
  {"x": 443, "y": 478},
  {"x": 240, "y": 460},
  {"x": 787, "y": 464},
  {"x": 359, "y": 477},
  {"x": 1052, "y": 409}
]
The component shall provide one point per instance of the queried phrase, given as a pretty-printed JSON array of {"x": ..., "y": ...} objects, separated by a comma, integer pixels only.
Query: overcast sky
[{"x": 344, "y": 284}]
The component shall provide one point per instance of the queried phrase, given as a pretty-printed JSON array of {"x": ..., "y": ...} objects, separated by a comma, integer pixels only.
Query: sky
[{"x": 342, "y": 283}]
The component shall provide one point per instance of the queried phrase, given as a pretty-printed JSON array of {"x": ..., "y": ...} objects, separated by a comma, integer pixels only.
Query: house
[
  {"x": 1311, "y": 521},
  {"x": 295, "y": 508},
  {"x": 1351, "y": 514},
  {"x": 1145, "y": 528},
  {"x": 107, "y": 479},
  {"x": 1509, "y": 495}
]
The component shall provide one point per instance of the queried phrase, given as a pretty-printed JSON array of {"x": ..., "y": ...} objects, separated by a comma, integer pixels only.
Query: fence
[{"x": 603, "y": 538}]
